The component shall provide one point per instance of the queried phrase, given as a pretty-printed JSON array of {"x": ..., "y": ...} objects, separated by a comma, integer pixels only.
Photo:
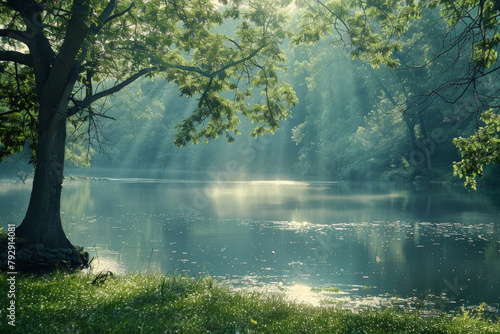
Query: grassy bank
[{"x": 174, "y": 304}]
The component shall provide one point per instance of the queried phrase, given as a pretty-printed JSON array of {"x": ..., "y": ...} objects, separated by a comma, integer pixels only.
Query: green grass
[{"x": 142, "y": 303}]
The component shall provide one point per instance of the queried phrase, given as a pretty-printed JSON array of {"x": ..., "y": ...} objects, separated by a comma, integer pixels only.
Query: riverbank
[{"x": 139, "y": 303}]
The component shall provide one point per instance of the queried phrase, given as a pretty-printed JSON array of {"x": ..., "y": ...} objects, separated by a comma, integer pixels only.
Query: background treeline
[{"x": 349, "y": 123}]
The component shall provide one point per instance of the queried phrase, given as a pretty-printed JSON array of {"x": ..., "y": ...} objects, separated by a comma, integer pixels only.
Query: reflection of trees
[
  {"x": 77, "y": 198},
  {"x": 385, "y": 245},
  {"x": 492, "y": 256},
  {"x": 409, "y": 259}
]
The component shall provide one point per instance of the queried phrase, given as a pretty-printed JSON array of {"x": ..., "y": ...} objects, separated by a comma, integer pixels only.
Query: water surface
[{"x": 439, "y": 245}]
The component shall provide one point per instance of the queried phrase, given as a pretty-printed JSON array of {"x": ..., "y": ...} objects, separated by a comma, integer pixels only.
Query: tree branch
[
  {"x": 80, "y": 105},
  {"x": 17, "y": 57},
  {"x": 75, "y": 36},
  {"x": 14, "y": 34},
  {"x": 107, "y": 11},
  {"x": 112, "y": 17},
  {"x": 106, "y": 16},
  {"x": 242, "y": 60},
  {"x": 220, "y": 70},
  {"x": 9, "y": 112},
  {"x": 10, "y": 4},
  {"x": 95, "y": 28},
  {"x": 190, "y": 69},
  {"x": 334, "y": 14},
  {"x": 90, "y": 99}
]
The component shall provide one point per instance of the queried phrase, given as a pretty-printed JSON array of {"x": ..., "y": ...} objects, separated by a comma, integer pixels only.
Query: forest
[{"x": 354, "y": 121}]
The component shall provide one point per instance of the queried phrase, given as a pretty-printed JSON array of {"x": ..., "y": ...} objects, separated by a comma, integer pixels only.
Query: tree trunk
[
  {"x": 42, "y": 223},
  {"x": 427, "y": 142},
  {"x": 410, "y": 126}
]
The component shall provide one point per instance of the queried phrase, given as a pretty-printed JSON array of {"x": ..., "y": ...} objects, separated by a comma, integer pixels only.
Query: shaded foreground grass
[{"x": 141, "y": 303}]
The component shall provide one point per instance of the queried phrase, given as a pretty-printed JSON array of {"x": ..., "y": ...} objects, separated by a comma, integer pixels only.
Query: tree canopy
[{"x": 182, "y": 41}]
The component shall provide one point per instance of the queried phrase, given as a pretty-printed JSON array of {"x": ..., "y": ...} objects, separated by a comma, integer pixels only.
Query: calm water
[{"x": 372, "y": 243}]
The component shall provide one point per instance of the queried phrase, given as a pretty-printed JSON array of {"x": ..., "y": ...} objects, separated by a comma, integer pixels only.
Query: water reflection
[{"x": 370, "y": 243}]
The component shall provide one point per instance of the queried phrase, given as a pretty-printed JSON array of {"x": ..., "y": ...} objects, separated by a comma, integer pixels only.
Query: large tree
[{"x": 58, "y": 59}]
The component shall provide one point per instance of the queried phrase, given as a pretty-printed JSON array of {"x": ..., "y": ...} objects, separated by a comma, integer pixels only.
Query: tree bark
[{"x": 42, "y": 223}]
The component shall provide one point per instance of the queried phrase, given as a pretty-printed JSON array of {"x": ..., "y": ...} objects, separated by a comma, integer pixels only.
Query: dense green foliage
[
  {"x": 348, "y": 126},
  {"x": 143, "y": 133},
  {"x": 480, "y": 149},
  {"x": 361, "y": 124},
  {"x": 204, "y": 47},
  {"x": 384, "y": 87},
  {"x": 177, "y": 304},
  {"x": 18, "y": 114},
  {"x": 451, "y": 46}
]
